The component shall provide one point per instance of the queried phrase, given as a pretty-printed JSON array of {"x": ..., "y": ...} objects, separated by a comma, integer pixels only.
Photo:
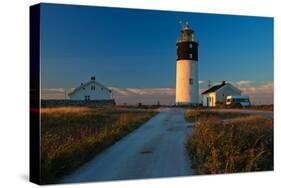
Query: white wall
[
  {"x": 205, "y": 101},
  {"x": 213, "y": 99},
  {"x": 186, "y": 93},
  {"x": 220, "y": 95},
  {"x": 209, "y": 99},
  {"x": 99, "y": 93},
  {"x": 225, "y": 91}
]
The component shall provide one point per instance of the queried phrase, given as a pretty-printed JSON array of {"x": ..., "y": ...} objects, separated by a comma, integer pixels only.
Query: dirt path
[{"x": 154, "y": 150}]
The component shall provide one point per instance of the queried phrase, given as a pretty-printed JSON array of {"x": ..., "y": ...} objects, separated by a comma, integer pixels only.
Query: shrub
[
  {"x": 243, "y": 145},
  {"x": 192, "y": 115}
]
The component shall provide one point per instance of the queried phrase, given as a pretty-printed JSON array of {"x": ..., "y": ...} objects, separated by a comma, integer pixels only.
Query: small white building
[
  {"x": 218, "y": 94},
  {"x": 91, "y": 91}
]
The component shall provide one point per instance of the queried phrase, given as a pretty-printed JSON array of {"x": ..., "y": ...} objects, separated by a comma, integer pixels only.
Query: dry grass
[
  {"x": 243, "y": 145},
  {"x": 71, "y": 136},
  {"x": 269, "y": 107},
  {"x": 194, "y": 115},
  {"x": 262, "y": 107},
  {"x": 61, "y": 110}
]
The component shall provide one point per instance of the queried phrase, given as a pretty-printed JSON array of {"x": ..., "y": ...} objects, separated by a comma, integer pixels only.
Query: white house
[
  {"x": 91, "y": 91},
  {"x": 218, "y": 94}
]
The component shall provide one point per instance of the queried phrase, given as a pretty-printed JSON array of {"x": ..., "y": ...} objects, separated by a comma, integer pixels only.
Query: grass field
[
  {"x": 218, "y": 146},
  {"x": 269, "y": 107},
  {"x": 194, "y": 115},
  {"x": 71, "y": 136}
]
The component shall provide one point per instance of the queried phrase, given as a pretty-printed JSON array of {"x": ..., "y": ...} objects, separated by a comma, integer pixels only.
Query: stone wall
[{"x": 62, "y": 103}]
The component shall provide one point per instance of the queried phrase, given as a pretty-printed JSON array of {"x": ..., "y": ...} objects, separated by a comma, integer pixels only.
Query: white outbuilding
[
  {"x": 218, "y": 94},
  {"x": 91, "y": 91}
]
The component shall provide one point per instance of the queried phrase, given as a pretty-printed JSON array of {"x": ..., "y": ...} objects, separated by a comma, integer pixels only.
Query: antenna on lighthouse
[{"x": 184, "y": 24}]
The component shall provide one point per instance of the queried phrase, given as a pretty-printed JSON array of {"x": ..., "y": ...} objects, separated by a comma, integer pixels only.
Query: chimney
[
  {"x": 223, "y": 82},
  {"x": 209, "y": 83},
  {"x": 93, "y": 78}
]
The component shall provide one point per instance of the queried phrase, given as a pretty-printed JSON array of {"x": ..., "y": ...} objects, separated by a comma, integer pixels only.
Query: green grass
[
  {"x": 71, "y": 136},
  {"x": 243, "y": 145}
]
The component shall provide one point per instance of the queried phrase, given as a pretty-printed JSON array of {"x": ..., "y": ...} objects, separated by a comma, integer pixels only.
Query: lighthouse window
[
  {"x": 190, "y": 45},
  {"x": 190, "y": 56},
  {"x": 190, "y": 81}
]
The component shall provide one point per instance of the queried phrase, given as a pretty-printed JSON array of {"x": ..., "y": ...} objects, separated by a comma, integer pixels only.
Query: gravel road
[{"x": 154, "y": 150}]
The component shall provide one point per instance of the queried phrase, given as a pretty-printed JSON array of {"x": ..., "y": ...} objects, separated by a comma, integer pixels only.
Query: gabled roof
[
  {"x": 86, "y": 84},
  {"x": 214, "y": 88}
]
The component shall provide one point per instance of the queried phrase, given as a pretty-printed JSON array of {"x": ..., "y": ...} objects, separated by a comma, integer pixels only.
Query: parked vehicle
[{"x": 238, "y": 100}]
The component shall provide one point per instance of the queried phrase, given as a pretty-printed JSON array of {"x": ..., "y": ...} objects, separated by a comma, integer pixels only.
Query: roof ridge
[
  {"x": 86, "y": 84},
  {"x": 214, "y": 88}
]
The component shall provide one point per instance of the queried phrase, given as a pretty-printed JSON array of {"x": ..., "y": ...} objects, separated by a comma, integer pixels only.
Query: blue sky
[{"x": 126, "y": 48}]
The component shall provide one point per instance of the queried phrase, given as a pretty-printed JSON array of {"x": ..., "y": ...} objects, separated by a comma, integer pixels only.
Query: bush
[
  {"x": 243, "y": 145},
  {"x": 192, "y": 115}
]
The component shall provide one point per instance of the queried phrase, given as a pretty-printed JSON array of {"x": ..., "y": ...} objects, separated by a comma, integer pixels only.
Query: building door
[{"x": 212, "y": 101}]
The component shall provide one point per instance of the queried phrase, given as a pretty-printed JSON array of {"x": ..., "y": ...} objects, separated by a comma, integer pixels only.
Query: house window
[
  {"x": 93, "y": 87},
  {"x": 190, "y": 56},
  {"x": 190, "y": 81},
  {"x": 87, "y": 97},
  {"x": 190, "y": 45}
]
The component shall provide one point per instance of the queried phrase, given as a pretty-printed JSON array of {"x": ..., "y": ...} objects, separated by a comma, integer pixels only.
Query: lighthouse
[{"x": 187, "y": 89}]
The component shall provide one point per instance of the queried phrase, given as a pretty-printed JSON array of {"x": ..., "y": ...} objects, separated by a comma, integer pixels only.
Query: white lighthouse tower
[{"x": 187, "y": 89}]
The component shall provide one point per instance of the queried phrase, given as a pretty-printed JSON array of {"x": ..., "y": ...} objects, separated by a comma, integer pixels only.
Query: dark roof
[{"x": 214, "y": 88}]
